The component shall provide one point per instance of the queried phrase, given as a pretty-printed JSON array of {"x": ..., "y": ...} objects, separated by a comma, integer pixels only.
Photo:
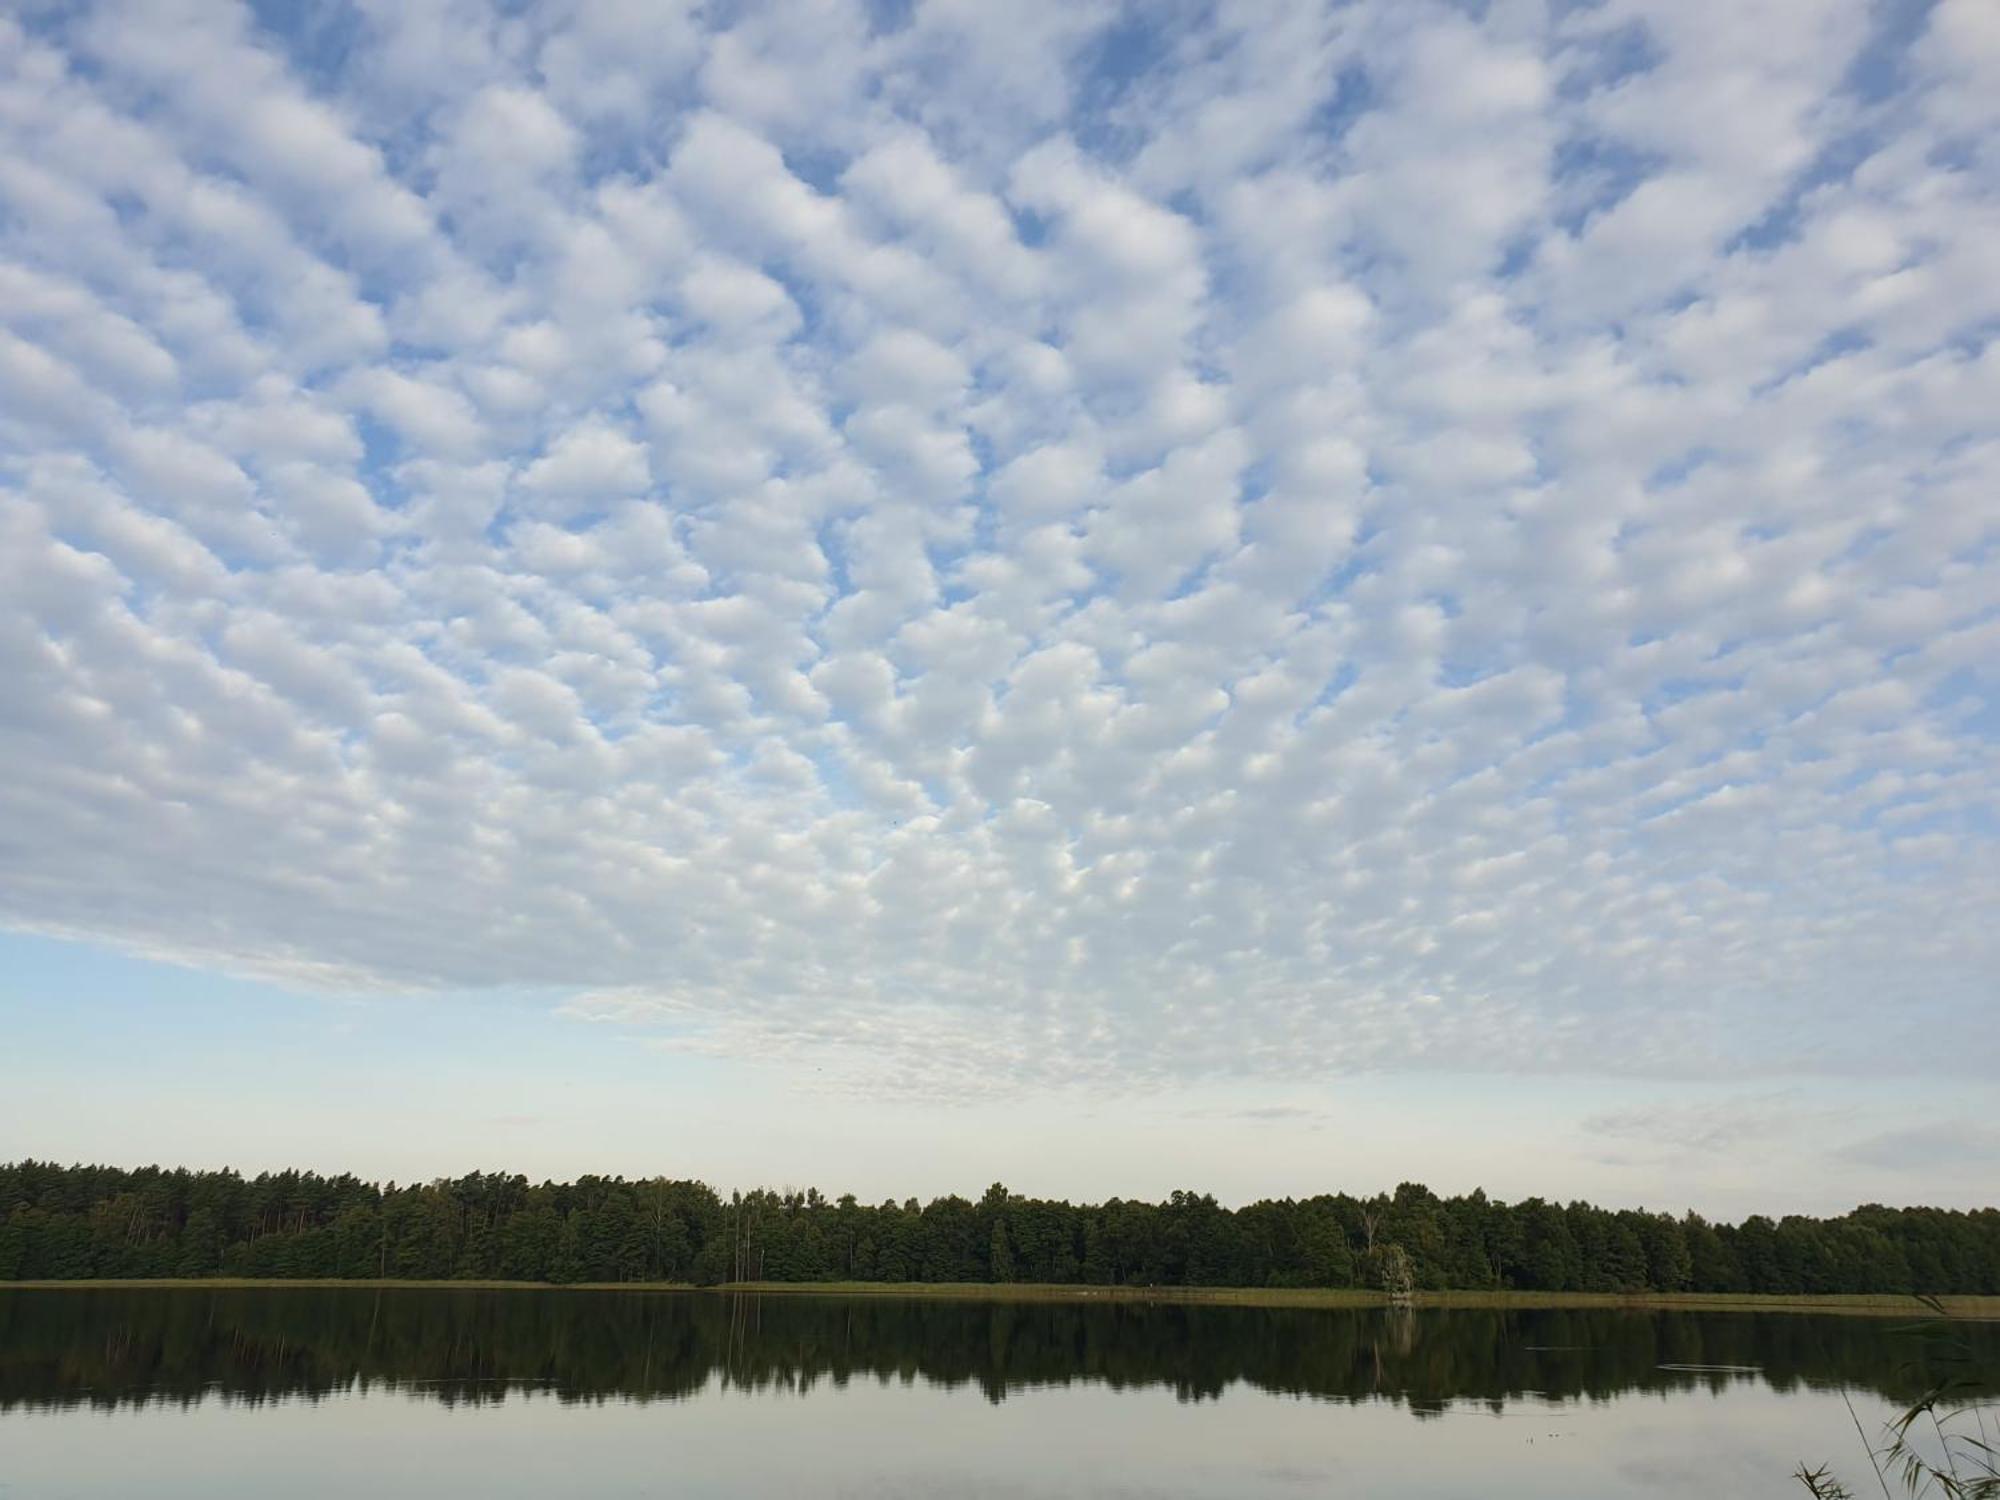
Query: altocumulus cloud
[{"x": 993, "y": 543}]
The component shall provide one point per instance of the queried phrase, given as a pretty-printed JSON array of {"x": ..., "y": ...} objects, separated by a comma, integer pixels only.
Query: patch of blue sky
[
  {"x": 1544, "y": 440},
  {"x": 1235, "y": 287},
  {"x": 1780, "y": 222},
  {"x": 1838, "y": 344},
  {"x": 1972, "y": 340},
  {"x": 1970, "y": 698},
  {"x": 1110, "y": 67},
  {"x": 1518, "y": 254},
  {"x": 1956, "y": 154},
  {"x": 886, "y": 17},
  {"x": 317, "y": 41},
  {"x": 53, "y": 26},
  {"x": 1880, "y": 69},
  {"x": 1032, "y": 229},
  {"x": 1359, "y": 563},
  {"x": 1865, "y": 540},
  {"x": 1194, "y": 579},
  {"x": 407, "y": 147},
  {"x": 985, "y": 457},
  {"x": 506, "y": 516},
  {"x": 1254, "y": 482},
  {"x": 1764, "y": 531},
  {"x": 1119, "y": 406},
  {"x": 1592, "y": 174},
  {"x": 817, "y": 165},
  {"x": 1353, "y": 94},
  {"x": 1187, "y": 202},
  {"x": 382, "y": 456},
  {"x": 1680, "y": 468},
  {"x": 1335, "y": 687},
  {"x": 1458, "y": 672},
  {"x": 615, "y": 151},
  {"x": 1601, "y": 57},
  {"x": 506, "y": 259},
  {"x": 662, "y": 705},
  {"x": 831, "y": 537},
  {"x": 1669, "y": 691},
  {"x": 835, "y": 781}
]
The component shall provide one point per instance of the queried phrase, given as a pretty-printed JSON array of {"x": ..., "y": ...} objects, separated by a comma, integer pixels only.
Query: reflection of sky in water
[{"x": 896, "y": 1439}]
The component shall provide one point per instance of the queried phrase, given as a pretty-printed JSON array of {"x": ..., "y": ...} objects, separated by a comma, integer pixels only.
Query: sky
[{"x": 1259, "y": 597}]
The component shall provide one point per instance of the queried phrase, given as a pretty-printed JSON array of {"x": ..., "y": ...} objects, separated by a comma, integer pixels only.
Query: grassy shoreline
[{"x": 1886, "y": 1304}]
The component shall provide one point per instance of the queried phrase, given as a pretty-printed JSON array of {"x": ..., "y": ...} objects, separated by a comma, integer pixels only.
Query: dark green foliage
[{"x": 65, "y": 1223}]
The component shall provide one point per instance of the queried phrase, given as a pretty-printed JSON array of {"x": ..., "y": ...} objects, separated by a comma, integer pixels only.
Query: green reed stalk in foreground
[{"x": 1956, "y": 1414}]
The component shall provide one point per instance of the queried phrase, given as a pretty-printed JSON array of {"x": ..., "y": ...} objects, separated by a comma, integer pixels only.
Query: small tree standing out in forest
[{"x": 1399, "y": 1274}]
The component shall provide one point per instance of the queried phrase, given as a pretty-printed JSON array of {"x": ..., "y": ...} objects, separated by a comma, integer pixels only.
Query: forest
[{"x": 77, "y": 1222}]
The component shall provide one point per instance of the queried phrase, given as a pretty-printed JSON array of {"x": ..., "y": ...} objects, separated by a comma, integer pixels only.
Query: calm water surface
[{"x": 310, "y": 1393}]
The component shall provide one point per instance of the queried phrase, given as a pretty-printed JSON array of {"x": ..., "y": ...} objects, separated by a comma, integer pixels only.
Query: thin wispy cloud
[
  {"x": 988, "y": 544},
  {"x": 1954, "y": 1143},
  {"x": 1711, "y": 1127}
]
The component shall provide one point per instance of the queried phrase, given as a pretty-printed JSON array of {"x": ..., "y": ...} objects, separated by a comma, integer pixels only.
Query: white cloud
[
  {"x": 592, "y": 461},
  {"x": 991, "y": 550}
]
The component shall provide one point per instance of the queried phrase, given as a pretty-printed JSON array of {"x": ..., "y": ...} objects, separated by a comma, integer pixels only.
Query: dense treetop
[{"x": 68, "y": 1222}]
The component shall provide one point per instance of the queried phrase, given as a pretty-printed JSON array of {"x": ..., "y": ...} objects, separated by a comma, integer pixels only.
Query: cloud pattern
[{"x": 985, "y": 544}]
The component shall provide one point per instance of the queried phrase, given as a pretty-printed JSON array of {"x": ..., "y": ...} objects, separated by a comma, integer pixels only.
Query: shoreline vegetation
[
  {"x": 1882, "y": 1305},
  {"x": 100, "y": 1224}
]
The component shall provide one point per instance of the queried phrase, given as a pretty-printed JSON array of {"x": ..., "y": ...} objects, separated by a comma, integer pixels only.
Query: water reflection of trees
[{"x": 120, "y": 1347}]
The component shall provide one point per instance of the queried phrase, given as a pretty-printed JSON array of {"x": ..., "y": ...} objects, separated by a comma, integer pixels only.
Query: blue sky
[{"x": 1273, "y": 596}]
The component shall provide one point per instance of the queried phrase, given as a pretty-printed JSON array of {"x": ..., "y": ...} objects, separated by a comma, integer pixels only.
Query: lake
[{"x": 387, "y": 1393}]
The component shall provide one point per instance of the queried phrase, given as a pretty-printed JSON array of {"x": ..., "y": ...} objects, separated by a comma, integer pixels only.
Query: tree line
[{"x": 70, "y": 1222}]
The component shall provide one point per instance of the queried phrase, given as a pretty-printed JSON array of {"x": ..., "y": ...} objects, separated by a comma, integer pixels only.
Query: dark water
[{"x": 312, "y": 1393}]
